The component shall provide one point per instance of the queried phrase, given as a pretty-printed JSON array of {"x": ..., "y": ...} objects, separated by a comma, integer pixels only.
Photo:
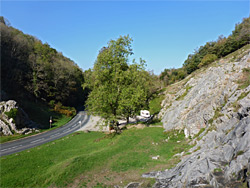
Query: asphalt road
[{"x": 80, "y": 120}]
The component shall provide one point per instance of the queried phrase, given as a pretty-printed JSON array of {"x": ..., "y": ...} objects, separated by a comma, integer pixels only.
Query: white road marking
[
  {"x": 5, "y": 149},
  {"x": 52, "y": 136},
  {"x": 37, "y": 140}
]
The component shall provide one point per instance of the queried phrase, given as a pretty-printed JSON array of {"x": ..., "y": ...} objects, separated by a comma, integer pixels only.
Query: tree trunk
[
  {"x": 128, "y": 120},
  {"x": 117, "y": 129}
]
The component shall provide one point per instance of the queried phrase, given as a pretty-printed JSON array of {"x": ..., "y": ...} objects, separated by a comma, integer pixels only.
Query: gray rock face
[
  {"x": 223, "y": 160},
  {"x": 221, "y": 156},
  {"x": 203, "y": 93},
  {"x": 21, "y": 124}
]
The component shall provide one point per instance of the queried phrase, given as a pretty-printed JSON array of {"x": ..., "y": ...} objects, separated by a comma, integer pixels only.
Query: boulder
[{"x": 20, "y": 124}]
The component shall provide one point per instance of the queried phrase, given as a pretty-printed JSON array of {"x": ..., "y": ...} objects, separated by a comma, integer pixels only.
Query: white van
[{"x": 145, "y": 113}]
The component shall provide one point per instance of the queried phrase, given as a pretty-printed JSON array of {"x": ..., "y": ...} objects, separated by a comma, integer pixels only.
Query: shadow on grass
[{"x": 41, "y": 113}]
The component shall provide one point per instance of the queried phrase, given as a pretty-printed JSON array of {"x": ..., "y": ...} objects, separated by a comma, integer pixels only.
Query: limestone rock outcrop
[
  {"x": 19, "y": 123},
  {"x": 216, "y": 100},
  {"x": 221, "y": 158},
  {"x": 203, "y": 95}
]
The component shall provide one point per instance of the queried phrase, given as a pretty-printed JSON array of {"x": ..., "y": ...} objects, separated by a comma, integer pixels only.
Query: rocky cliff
[
  {"x": 14, "y": 120},
  {"x": 213, "y": 107}
]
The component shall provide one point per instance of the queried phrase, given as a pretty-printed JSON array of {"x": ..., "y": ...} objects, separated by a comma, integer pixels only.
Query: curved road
[{"x": 80, "y": 120}]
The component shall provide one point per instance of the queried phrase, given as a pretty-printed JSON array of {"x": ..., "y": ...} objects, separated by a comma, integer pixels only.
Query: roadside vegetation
[
  {"x": 94, "y": 159},
  {"x": 39, "y": 113},
  {"x": 43, "y": 81}
]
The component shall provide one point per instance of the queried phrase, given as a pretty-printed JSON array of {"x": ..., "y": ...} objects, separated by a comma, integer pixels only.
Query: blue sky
[{"x": 164, "y": 32}]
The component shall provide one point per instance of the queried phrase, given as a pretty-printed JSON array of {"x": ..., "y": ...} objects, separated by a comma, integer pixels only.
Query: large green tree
[{"x": 118, "y": 89}]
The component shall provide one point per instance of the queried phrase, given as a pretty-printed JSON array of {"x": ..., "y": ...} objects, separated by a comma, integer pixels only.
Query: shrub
[
  {"x": 68, "y": 111},
  {"x": 207, "y": 59},
  {"x": 184, "y": 94},
  {"x": 52, "y": 103},
  {"x": 245, "y": 80},
  {"x": 12, "y": 113}
]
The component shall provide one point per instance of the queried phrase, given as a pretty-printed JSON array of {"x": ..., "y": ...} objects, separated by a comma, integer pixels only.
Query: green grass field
[{"x": 93, "y": 159}]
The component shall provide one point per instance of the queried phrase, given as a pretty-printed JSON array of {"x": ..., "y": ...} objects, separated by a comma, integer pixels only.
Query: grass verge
[
  {"x": 93, "y": 159},
  {"x": 39, "y": 113},
  {"x": 57, "y": 123}
]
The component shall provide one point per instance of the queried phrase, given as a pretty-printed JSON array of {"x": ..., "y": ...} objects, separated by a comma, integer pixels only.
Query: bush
[
  {"x": 244, "y": 82},
  {"x": 207, "y": 59},
  {"x": 68, "y": 111},
  {"x": 52, "y": 103},
  {"x": 12, "y": 113}
]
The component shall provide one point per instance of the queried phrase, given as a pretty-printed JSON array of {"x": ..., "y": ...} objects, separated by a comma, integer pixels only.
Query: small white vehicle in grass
[{"x": 145, "y": 113}]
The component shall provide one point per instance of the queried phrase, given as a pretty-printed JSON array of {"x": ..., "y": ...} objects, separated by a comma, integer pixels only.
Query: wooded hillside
[
  {"x": 210, "y": 52},
  {"x": 30, "y": 67}
]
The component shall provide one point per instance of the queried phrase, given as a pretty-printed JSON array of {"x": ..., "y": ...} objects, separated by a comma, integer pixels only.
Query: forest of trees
[
  {"x": 31, "y": 68},
  {"x": 210, "y": 52}
]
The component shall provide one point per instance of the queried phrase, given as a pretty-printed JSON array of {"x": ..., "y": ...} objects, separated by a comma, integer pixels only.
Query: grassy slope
[{"x": 92, "y": 159}]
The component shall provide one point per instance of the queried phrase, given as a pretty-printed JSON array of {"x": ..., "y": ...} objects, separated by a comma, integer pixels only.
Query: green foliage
[
  {"x": 68, "y": 111},
  {"x": 222, "y": 47},
  {"x": 62, "y": 162},
  {"x": 217, "y": 170},
  {"x": 199, "y": 133},
  {"x": 117, "y": 88},
  {"x": 243, "y": 95},
  {"x": 211, "y": 51},
  {"x": 41, "y": 113},
  {"x": 4, "y": 139},
  {"x": 210, "y": 121},
  {"x": 207, "y": 59},
  {"x": 170, "y": 76},
  {"x": 57, "y": 122},
  {"x": 198, "y": 148},
  {"x": 240, "y": 153},
  {"x": 236, "y": 106},
  {"x": 185, "y": 93},
  {"x": 36, "y": 69},
  {"x": 217, "y": 113},
  {"x": 12, "y": 113},
  {"x": 155, "y": 104},
  {"x": 244, "y": 82}
]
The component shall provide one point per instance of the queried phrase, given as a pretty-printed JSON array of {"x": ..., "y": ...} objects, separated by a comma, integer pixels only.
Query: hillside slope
[
  {"x": 213, "y": 107},
  {"x": 36, "y": 70},
  {"x": 207, "y": 94}
]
